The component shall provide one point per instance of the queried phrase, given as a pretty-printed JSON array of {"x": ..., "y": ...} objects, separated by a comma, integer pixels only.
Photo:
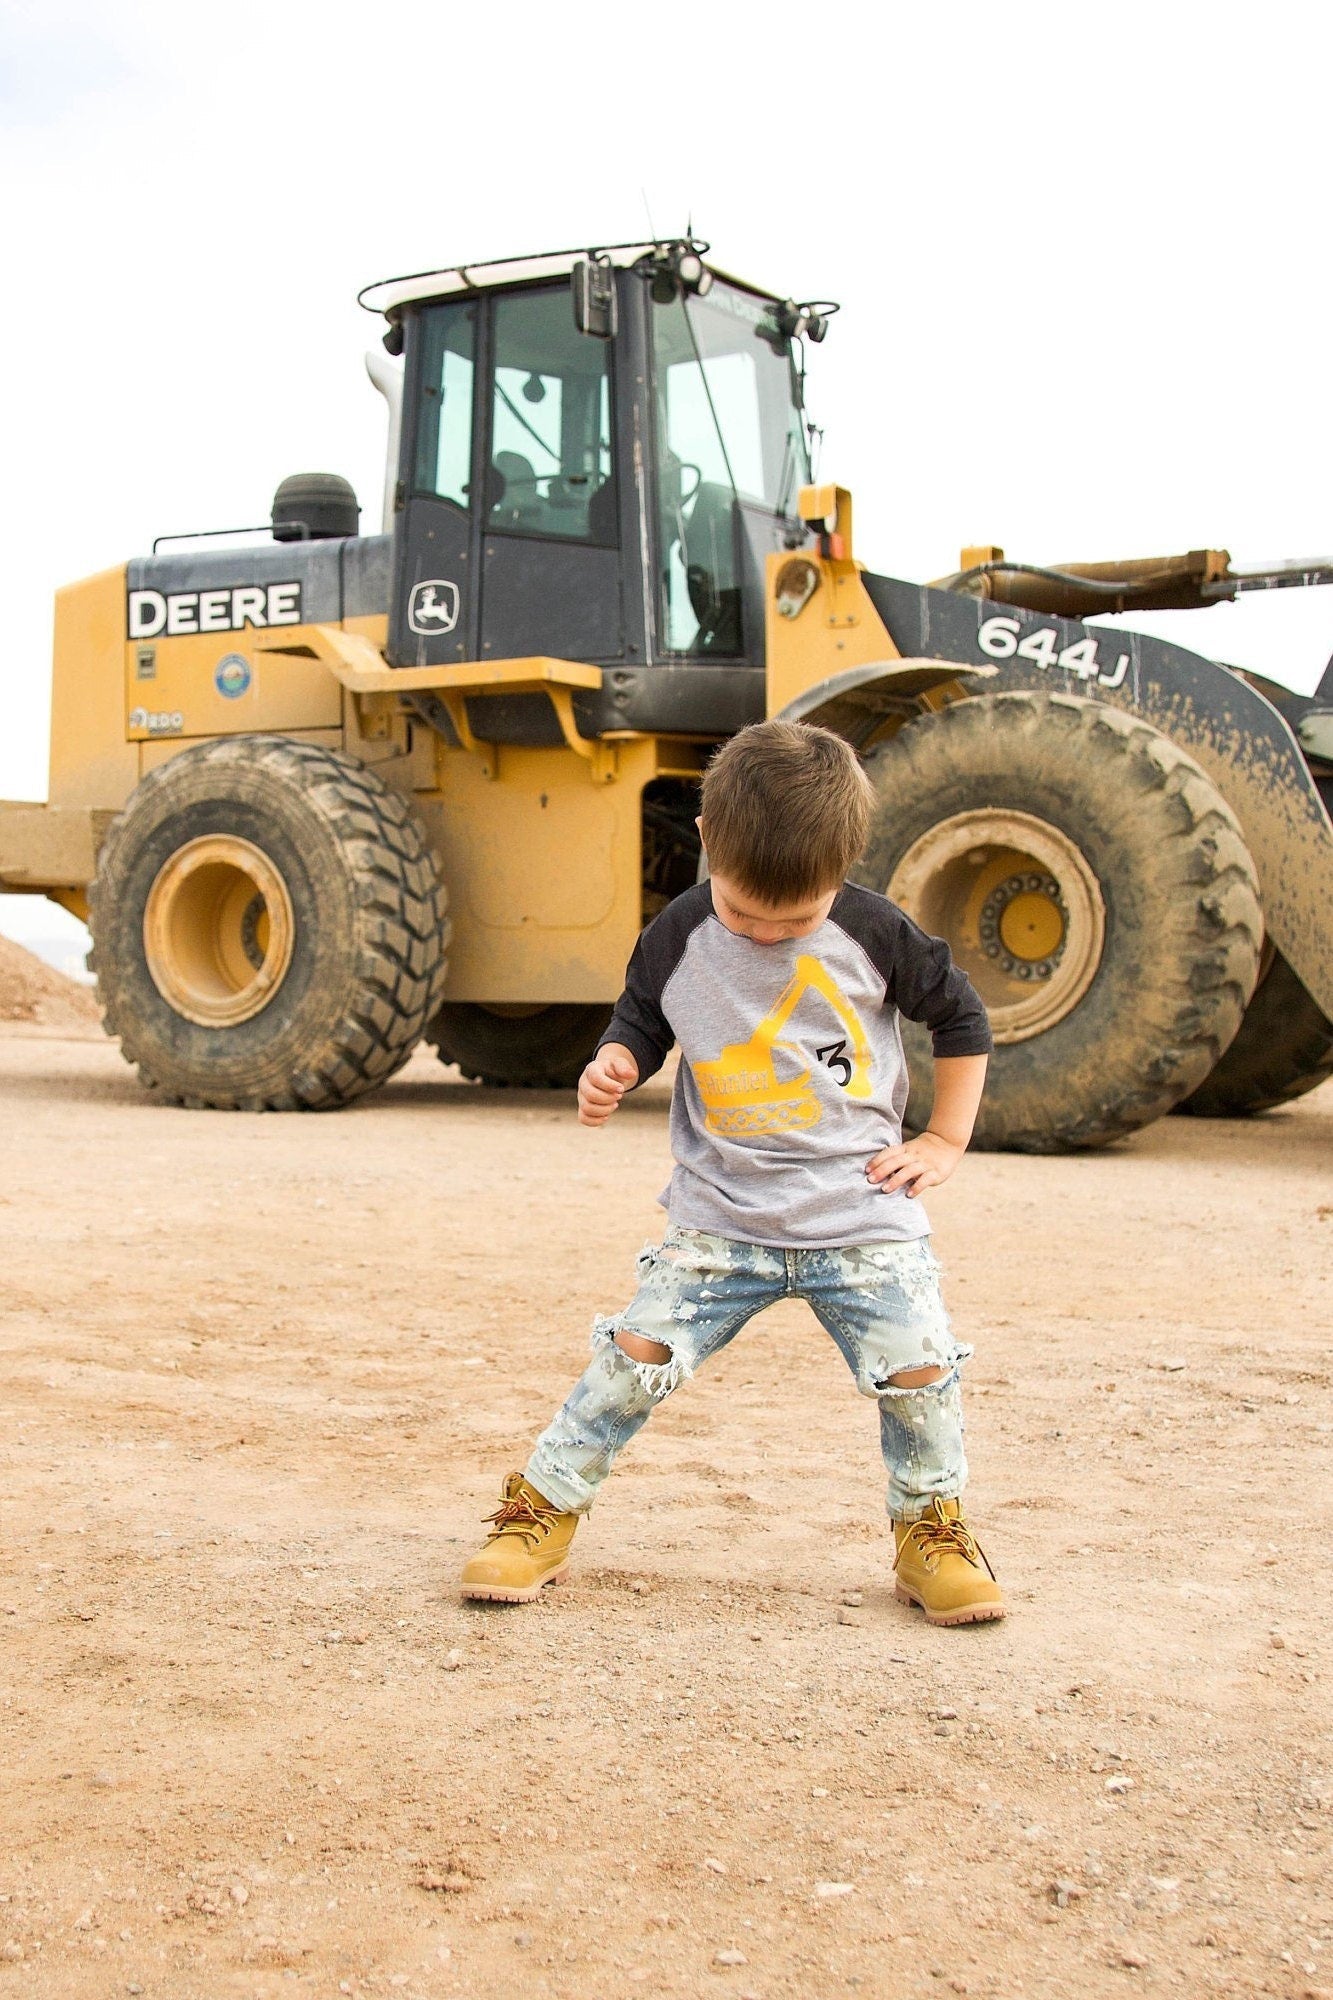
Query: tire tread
[
  {"x": 401, "y": 960},
  {"x": 1218, "y": 948}
]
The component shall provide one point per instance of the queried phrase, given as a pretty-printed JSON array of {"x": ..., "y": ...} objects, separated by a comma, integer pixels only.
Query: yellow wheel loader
[{"x": 328, "y": 793}]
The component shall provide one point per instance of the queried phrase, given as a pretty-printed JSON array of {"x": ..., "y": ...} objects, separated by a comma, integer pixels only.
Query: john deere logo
[
  {"x": 433, "y": 607},
  {"x": 232, "y": 676}
]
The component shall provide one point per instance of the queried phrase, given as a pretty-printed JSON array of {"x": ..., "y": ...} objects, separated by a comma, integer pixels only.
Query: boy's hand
[
  {"x": 604, "y": 1082},
  {"x": 931, "y": 1157},
  {"x": 917, "y": 1164}
]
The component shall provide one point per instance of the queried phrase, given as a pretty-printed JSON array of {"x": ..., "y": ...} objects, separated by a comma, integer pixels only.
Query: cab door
[
  {"x": 433, "y": 609},
  {"x": 507, "y": 545},
  {"x": 550, "y": 578}
]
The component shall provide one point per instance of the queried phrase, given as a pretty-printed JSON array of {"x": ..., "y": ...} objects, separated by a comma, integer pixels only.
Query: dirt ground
[{"x": 259, "y": 1378}]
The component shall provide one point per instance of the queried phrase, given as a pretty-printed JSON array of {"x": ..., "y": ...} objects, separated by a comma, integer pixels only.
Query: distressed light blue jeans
[{"x": 880, "y": 1302}]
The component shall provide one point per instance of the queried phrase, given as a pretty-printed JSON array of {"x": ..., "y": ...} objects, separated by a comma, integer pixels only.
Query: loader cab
[{"x": 604, "y": 492}]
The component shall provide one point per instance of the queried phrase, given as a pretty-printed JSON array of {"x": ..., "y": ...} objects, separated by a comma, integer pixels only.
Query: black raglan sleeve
[
  {"x": 920, "y": 977},
  {"x": 638, "y": 1021}
]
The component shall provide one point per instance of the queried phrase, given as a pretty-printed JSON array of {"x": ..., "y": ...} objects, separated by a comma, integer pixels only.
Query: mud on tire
[
  {"x": 307, "y": 992},
  {"x": 1176, "y": 924}
]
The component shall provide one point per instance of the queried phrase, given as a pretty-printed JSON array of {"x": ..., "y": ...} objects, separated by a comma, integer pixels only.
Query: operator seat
[
  {"x": 711, "y": 572},
  {"x": 519, "y": 504}
]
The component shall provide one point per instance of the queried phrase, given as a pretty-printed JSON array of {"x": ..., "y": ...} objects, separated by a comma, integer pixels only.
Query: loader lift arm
[{"x": 1144, "y": 583}]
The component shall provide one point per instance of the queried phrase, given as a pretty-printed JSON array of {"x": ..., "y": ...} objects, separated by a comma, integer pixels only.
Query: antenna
[{"x": 652, "y": 226}]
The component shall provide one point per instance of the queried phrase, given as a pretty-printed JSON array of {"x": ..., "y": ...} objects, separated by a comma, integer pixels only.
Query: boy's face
[{"x": 739, "y": 911}]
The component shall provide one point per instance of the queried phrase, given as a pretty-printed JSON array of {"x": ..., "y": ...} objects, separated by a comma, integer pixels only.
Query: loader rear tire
[
  {"x": 1097, "y": 889},
  {"x": 1284, "y": 1047},
  {"x": 268, "y": 927},
  {"x": 532, "y": 1048}
]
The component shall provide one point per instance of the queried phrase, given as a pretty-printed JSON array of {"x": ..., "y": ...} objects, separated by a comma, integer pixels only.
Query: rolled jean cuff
[
  {"x": 571, "y": 1496},
  {"x": 910, "y": 1507}
]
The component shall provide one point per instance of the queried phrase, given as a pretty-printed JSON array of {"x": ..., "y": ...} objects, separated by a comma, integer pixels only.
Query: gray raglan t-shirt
[{"x": 792, "y": 1072}]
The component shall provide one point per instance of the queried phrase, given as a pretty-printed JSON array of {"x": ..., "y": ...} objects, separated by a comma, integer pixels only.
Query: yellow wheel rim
[
  {"x": 218, "y": 931},
  {"x": 1020, "y": 908}
]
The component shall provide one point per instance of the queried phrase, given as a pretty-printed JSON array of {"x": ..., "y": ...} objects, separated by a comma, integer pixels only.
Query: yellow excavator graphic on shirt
[{"x": 743, "y": 1095}]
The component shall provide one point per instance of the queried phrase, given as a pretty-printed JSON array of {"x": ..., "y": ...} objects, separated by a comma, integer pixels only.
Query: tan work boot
[
  {"x": 527, "y": 1548},
  {"x": 940, "y": 1567}
]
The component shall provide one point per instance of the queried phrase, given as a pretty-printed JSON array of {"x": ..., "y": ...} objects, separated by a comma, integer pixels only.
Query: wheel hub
[
  {"x": 1020, "y": 908},
  {"x": 218, "y": 931},
  {"x": 1023, "y": 924}
]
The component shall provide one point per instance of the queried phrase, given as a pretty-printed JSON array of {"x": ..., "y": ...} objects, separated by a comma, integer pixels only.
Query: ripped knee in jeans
[
  {"x": 640, "y": 1348},
  {"x": 658, "y": 1368},
  {"x": 881, "y": 1379}
]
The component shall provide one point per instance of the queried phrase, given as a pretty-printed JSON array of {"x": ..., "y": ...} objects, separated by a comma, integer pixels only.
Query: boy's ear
[{"x": 703, "y": 837}]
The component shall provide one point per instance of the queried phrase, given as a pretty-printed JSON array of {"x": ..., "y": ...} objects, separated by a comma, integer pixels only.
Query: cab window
[
  {"x": 444, "y": 435},
  {"x": 729, "y": 430},
  {"x": 549, "y": 463}
]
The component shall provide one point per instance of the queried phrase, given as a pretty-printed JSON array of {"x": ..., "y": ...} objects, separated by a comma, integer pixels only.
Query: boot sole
[
  {"x": 499, "y": 1593},
  {"x": 966, "y": 1614}
]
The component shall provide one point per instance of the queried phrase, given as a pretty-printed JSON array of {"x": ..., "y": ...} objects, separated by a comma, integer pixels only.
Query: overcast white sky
[{"x": 1081, "y": 251}]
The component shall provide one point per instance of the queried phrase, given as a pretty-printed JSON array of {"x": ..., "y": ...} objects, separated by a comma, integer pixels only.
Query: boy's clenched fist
[{"x": 604, "y": 1082}]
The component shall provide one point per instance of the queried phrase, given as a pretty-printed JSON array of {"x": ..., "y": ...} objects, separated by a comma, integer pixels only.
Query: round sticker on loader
[{"x": 232, "y": 676}]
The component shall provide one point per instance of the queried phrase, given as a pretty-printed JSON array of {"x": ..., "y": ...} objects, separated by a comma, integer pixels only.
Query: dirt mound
[{"x": 33, "y": 992}]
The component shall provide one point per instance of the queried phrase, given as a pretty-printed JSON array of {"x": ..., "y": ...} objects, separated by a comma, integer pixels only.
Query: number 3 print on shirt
[{"x": 834, "y": 1056}]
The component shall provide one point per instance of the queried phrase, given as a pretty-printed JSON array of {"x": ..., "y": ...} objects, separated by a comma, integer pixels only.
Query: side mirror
[{"x": 593, "y": 285}]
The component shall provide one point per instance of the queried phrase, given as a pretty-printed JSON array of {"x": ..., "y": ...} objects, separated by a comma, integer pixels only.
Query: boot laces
[
  {"x": 936, "y": 1536},
  {"x": 521, "y": 1516}
]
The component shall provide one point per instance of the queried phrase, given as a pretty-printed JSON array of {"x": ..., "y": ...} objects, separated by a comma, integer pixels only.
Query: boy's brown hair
[{"x": 786, "y": 811}]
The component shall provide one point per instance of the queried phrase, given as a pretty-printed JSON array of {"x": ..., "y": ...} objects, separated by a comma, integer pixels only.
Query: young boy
[{"x": 783, "y": 985}]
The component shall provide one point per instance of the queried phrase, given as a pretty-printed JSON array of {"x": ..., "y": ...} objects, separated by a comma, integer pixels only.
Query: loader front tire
[
  {"x": 1284, "y": 1048},
  {"x": 1096, "y": 888},
  {"x": 532, "y": 1048},
  {"x": 268, "y": 927}
]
